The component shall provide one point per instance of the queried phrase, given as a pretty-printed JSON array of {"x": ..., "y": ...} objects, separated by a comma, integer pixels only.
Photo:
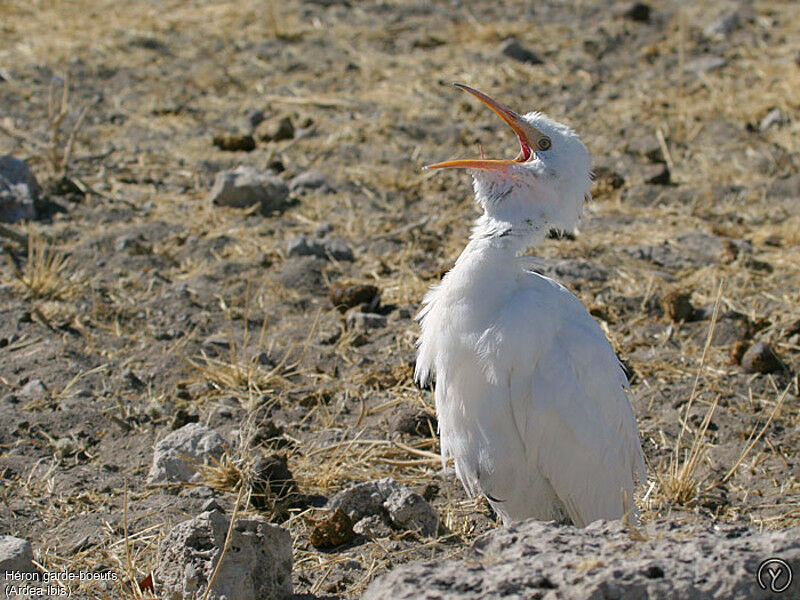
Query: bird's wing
[{"x": 569, "y": 402}]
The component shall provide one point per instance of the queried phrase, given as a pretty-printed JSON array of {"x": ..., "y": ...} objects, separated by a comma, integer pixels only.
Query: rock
[
  {"x": 705, "y": 64},
  {"x": 409, "y": 510},
  {"x": 234, "y": 142},
  {"x": 647, "y": 146},
  {"x": 657, "y": 174},
  {"x": 387, "y": 499},
  {"x": 339, "y": 250},
  {"x": 663, "y": 255},
  {"x": 245, "y": 186},
  {"x": 677, "y": 306},
  {"x": 19, "y": 190},
  {"x": 536, "y": 559},
  {"x": 327, "y": 248},
  {"x": 323, "y": 229},
  {"x": 258, "y": 562},
  {"x": 177, "y": 456},
  {"x": 731, "y": 327},
  {"x": 725, "y": 24},
  {"x": 761, "y": 358},
  {"x": 414, "y": 422},
  {"x": 360, "y": 321},
  {"x": 772, "y": 118},
  {"x": 336, "y": 530},
  {"x": 347, "y": 294},
  {"x": 66, "y": 188},
  {"x": 16, "y": 555},
  {"x": 569, "y": 268},
  {"x": 513, "y": 49},
  {"x": 33, "y": 390},
  {"x": 254, "y": 118},
  {"x": 374, "y": 526},
  {"x": 636, "y": 11},
  {"x": 310, "y": 180},
  {"x": 364, "y": 499},
  {"x": 276, "y": 129},
  {"x": 273, "y": 483}
]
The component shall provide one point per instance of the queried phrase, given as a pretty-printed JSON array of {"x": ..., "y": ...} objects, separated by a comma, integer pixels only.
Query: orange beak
[{"x": 520, "y": 127}]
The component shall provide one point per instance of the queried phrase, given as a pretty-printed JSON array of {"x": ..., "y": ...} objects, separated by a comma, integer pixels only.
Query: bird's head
[{"x": 544, "y": 186}]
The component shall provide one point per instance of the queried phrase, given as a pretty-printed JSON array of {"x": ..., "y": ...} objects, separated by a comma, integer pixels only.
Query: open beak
[{"x": 513, "y": 120}]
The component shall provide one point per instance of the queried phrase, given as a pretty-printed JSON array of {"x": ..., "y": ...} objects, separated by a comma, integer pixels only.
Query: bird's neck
[{"x": 501, "y": 237}]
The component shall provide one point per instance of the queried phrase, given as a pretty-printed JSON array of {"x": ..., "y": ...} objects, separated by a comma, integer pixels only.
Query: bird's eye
[{"x": 544, "y": 143}]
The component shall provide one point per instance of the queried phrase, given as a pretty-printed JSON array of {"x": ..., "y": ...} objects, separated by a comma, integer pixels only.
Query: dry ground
[{"x": 141, "y": 306}]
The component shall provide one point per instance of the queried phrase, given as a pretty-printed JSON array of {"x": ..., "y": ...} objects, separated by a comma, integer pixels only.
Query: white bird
[{"x": 531, "y": 398}]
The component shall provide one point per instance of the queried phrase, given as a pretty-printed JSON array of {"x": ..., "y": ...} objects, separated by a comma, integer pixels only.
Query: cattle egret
[{"x": 531, "y": 398}]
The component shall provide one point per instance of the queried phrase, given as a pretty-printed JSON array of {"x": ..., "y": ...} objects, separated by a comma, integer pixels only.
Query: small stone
[
  {"x": 761, "y": 358},
  {"x": 347, "y": 294},
  {"x": 245, "y": 186},
  {"x": 362, "y": 321},
  {"x": 33, "y": 390},
  {"x": 339, "y": 250},
  {"x": 327, "y": 249},
  {"x": 513, "y": 49},
  {"x": 234, "y": 142},
  {"x": 646, "y": 146},
  {"x": 258, "y": 563},
  {"x": 677, "y": 306},
  {"x": 771, "y": 119},
  {"x": 724, "y": 25},
  {"x": 323, "y": 229},
  {"x": 409, "y": 510},
  {"x": 731, "y": 327},
  {"x": 276, "y": 129},
  {"x": 16, "y": 555},
  {"x": 334, "y": 531},
  {"x": 212, "y": 504},
  {"x": 255, "y": 117},
  {"x": 177, "y": 456},
  {"x": 273, "y": 483},
  {"x": 364, "y": 499},
  {"x": 310, "y": 180},
  {"x": 636, "y": 11},
  {"x": 658, "y": 174},
  {"x": 372, "y": 527},
  {"x": 415, "y": 422},
  {"x": 705, "y": 64},
  {"x": 66, "y": 188},
  {"x": 19, "y": 190}
]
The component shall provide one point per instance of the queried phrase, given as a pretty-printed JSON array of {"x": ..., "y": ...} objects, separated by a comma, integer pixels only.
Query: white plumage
[{"x": 530, "y": 396}]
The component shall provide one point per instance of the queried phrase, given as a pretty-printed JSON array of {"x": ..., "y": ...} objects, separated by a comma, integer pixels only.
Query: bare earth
[{"x": 142, "y": 307}]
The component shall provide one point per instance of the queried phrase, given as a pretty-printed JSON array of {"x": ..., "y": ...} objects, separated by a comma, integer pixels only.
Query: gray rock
[
  {"x": 541, "y": 560},
  {"x": 705, "y": 64},
  {"x": 513, "y": 49},
  {"x": 310, "y": 180},
  {"x": 663, "y": 255},
  {"x": 761, "y": 358},
  {"x": 33, "y": 390},
  {"x": 245, "y": 186},
  {"x": 326, "y": 248},
  {"x": 258, "y": 563},
  {"x": 773, "y": 118},
  {"x": 387, "y": 500},
  {"x": 178, "y": 455},
  {"x": 373, "y": 526},
  {"x": 364, "y": 499},
  {"x": 361, "y": 321},
  {"x": 16, "y": 555},
  {"x": 409, "y": 510},
  {"x": 570, "y": 269},
  {"x": 725, "y": 24},
  {"x": 19, "y": 190}
]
